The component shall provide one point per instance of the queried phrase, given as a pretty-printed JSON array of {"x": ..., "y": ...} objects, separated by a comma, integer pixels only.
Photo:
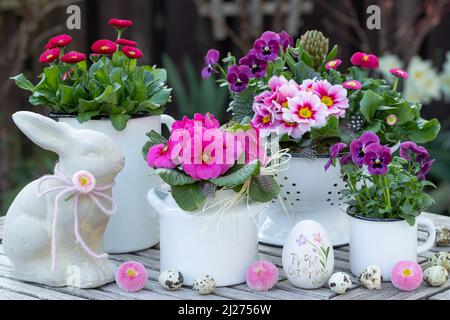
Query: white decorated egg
[
  {"x": 340, "y": 283},
  {"x": 204, "y": 284},
  {"x": 308, "y": 257},
  {"x": 441, "y": 259},
  {"x": 435, "y": 276},
  {"x": 171, "y": 279}
]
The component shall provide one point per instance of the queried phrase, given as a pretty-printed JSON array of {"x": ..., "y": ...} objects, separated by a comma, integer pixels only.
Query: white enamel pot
[
  {"x": 198, "y": 243},
  {"x": 307, "y": 192},
  {"x": 135, "y": 225},
  {"x": 386, "y": 242}
]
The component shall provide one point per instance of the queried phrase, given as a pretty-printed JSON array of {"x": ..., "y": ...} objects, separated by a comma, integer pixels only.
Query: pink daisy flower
[
  {"x": 391, "y": 120},
  {"x": 131, "y": 276},
  {"x": 334, "y": 97},
  {"x": 407, "y": 275},
  {"x": 365, "y": 60},
  {"x": 352, "y": 85},
  {"x": 262, "y": 275},
  {"x": 307, "y": 110},
  {"x": 84, "y": 181},
  {"x": 333, "y": 64},
  {"x": 399, "y": 73}
]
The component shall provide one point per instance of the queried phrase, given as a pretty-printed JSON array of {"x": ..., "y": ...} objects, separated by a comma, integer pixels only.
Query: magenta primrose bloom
[
  {"x": 267, "y": 47},
  {"x": 365, "y": 60},
  {"x": 358, "y": 146},
  {"x": 257, "y": 66},
  {"x": 160, "y": 156},
  {"x": 238, "y": 77},
  {"x": 211, "y": 59},
  {"x": 377, "y": 158},
  {"x": 399, "y": 73}
]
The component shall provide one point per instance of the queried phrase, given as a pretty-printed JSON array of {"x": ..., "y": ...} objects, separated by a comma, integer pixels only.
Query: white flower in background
[
  {"x": 445, "y": 78},
  {"x": 389, "y": 61},
  {"x": 423, "y": 84}
]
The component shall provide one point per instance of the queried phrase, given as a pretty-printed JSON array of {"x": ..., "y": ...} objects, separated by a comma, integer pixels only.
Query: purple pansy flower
[
  {"x": 377, "y": 158},
  {"x": 267, "y": 47},
  {"x": 258, "y": 67},
  {"x": 238, "y": 77},
  {"x": 211, "y": 58},
  {"x": 358, "y": 146},
  {"x": 334, "y": 151},
  {"x": 346, "y": 159},
  {"x": 411, "y": 151},
  {"x": 285, "y": 40},
  {"x": 425, "y": 167},
  {"x": 301, "y": 240}
]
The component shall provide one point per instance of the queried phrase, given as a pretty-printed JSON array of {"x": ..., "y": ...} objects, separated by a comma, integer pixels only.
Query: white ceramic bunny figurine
[{"x": 54, "y": 228}]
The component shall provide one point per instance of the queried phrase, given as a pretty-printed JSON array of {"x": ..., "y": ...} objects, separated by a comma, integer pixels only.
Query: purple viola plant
[
  {"x": 381, "y": 184},
  {"x": 257, "y": 66},
  {"x": 267, "y": 47},
  {"x": 211, "y": 60},
  {"x": 238, "y": 77}
]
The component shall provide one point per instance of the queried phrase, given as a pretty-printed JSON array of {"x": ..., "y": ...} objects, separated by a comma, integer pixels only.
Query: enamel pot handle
[{"x": 429, "y": 225}]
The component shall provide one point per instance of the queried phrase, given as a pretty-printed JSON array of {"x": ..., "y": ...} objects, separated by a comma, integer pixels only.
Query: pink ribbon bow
[{"x": 81, "y": 184}]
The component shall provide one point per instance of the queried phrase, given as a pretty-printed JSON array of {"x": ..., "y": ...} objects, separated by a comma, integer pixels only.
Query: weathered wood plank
[
  {"x": 10, "y": 295},
  {"x": 441, "y": 296}
]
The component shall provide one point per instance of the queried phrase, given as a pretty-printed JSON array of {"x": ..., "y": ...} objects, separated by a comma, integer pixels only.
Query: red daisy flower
[
  {"x": 132, "y": 53},
  {"x": 61, "y": 40},
  {"x": 73, "y": 57},
  {"x": 120, "y": 24},
  {"x": 49, "y": 55},
  {"x": 49, "y": 46},
  {"x": 104, "y": 46},
  {"x": 126, "y": 42}
]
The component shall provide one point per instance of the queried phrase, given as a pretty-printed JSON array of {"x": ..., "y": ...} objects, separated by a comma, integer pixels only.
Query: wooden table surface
[{"x": 11, "y": 288}]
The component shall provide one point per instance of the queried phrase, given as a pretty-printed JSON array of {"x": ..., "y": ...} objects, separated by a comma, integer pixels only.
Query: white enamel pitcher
[{"x": 203, "y": 242}]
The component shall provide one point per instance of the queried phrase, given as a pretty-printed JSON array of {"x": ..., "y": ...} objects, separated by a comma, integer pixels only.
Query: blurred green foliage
[{"x": 192, "y": 93}]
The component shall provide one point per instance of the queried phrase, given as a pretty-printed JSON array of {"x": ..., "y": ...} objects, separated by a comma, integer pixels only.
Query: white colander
[{"x": 308, "y": 192}]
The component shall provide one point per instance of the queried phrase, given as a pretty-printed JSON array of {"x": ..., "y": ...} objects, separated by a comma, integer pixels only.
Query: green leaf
[
  {"x": 307, "y": 59},
  {"x": 174, "y": 177},
  {"x": 119, "y": 121},
  {"x": 423, "y": 131},
  {"x": 332, "y": 54},
  {"x": 88, "y": 105},
  {"x": 66, "y": 93},
  {"x": 86, "y": 116},
  {"x": 374, "y": 127},
  {"x": 160, "y": 74},
  {"x": 188, "y": 197},
  {"x": 52, "y": 77},
  {"x": 241, "y": 106},
  {"x": 260, "y": 193},
  {"x": 22, "y": 82},
  {"x": 302, "y": 71},
  {"x": 369, "y": 104},
  {"x": 329, "y": 130},
  {"x": 155, "y": 138},
  {"x": 139, "y": 90},
  {"x": 239, "y": 176},
  {"x": 161, "y": 97},
  {"x": 108, "y": 96}
]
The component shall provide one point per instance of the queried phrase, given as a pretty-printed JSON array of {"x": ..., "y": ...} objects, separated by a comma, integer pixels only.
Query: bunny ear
[{"x": 43, "y": 131}]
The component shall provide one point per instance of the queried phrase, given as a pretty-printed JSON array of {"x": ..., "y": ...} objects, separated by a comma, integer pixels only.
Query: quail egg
[
  {"x": 204, "y": 284},
  {"x": 435, "y": 276},
  {"x": 441, "y": 259},
  {"x": 171, "y": 279},
  {"x": 370, "y": 277},
  {"x": 340, "y": 283},
  {"x": 442, "y": 237}
]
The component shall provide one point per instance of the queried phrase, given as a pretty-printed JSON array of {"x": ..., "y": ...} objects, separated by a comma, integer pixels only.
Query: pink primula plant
[{"x": 202, "y": 157}]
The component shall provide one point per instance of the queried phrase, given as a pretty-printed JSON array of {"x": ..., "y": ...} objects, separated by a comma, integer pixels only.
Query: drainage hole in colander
[
  {"x": 328, "y": 200},
  {"x": 329, "y": 192}
]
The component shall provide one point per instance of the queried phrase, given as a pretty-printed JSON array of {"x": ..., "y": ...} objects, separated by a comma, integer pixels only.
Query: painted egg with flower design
[{"x": 308, "y": 257}]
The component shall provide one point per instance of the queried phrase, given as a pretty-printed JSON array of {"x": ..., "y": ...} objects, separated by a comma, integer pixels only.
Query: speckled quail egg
[
  {"x": 442, "y": 236},
  {"x": 340, "y": 283},
  {"x": 204, "y": 284},
  {"x": 171, "y": 279},
  {"x": 441, "y": 259},
  {"x": 435, "y": 276},
  {"x": 370, "y": 277}
]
